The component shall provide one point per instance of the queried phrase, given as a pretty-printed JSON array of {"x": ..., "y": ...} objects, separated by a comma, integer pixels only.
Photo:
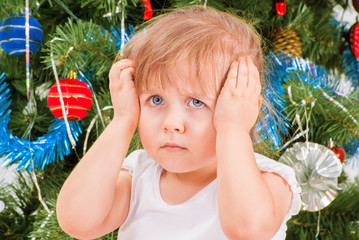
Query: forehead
[
  {"x": 185, "y": 77},
  {"x": 185, "y": 89}
]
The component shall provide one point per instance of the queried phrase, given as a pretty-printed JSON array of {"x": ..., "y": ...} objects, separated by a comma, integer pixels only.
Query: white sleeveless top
[{"x": 151, "y": 218}]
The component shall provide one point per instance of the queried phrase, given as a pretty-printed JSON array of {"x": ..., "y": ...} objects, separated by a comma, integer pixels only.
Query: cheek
[
  {"x": 143, "y": 130},
  {"x": 147, "y": 129},
  {"x": 205, "y": 137}
]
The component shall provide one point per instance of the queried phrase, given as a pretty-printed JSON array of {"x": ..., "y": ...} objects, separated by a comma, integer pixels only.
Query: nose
[{"x": 174, "y": 122}]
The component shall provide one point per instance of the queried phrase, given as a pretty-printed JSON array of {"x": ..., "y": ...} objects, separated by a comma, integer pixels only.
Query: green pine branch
[
  {"x": 331, "y": 116},
  {"x": 20, "y": 206},
  {"x": 337, "y": 221},
  {"x": 10, "y": 7},
  {"x": 80, "y": 45}
]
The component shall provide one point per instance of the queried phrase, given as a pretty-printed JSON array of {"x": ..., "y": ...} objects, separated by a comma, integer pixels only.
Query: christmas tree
[{"x": 311, "y": 67}]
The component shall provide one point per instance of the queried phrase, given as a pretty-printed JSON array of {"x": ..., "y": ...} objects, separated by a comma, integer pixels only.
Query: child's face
[{"x": 176, "y": 127}]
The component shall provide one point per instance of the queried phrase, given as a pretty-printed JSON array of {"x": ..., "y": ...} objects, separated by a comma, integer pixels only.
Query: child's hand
[
  {"x": 123, "y": 93},
  {"x": 239, "y": 100}
]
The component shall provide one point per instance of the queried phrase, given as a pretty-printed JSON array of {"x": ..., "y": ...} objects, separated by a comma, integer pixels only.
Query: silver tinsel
[{"x": 317, "y": 169}]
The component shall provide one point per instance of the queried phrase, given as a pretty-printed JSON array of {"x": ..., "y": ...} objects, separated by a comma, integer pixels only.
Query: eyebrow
[
  {"x": 199, "y": 94},
  {"x": 184, "y": 92}
]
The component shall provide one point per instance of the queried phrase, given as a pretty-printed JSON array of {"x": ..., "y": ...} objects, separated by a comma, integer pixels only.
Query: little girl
[{"x": 191, "y": 84}]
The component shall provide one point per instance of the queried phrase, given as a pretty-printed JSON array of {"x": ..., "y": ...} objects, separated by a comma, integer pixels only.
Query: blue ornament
[{"x": 12, "y": 35}]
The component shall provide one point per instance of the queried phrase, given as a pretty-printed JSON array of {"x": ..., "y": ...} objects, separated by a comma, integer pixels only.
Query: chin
[{"x": 175, "y": 168}]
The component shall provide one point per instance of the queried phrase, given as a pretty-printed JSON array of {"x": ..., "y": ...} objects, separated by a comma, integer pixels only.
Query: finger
[
  {"x": 127, "y": 76},
  {"x": 231, "y": 80},
  {"x": 118, "y": 67},
  {"x": 124, "y": 63},
  {"x": 242, "y": 79},
  {"x": 253, "y": 76}
]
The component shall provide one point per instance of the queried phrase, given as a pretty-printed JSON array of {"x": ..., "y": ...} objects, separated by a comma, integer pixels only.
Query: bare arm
[
  {"x": 94, "y": 200},
  {"x": 252, "y": 204}
]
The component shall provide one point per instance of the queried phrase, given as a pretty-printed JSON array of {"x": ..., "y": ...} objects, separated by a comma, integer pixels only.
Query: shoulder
[
  {"x": 282, "y": 181},
  {"x": 266, "y": 164},
  {"x": 137, "y": 161}
]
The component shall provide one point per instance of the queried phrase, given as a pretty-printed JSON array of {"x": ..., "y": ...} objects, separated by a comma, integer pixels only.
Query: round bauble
[
  {"x": 77, "y": 99},
  {"x": 13, "y": 39},
  {"x": 356, "y": 5},
  {"x": 317, "y": 170},
  {"x": 353, "y": 39},
  {"x": 339, "y": 152}
]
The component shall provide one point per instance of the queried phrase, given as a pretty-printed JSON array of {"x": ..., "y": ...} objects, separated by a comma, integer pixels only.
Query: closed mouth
[{"x": 172, "y": 147}]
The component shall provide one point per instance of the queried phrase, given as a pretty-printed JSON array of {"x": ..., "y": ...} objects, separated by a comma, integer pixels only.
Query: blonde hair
[{"x": 205, "y": 40}]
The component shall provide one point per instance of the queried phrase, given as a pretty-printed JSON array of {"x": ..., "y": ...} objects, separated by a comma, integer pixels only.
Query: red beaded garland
[{"x": 77, "y": 99}]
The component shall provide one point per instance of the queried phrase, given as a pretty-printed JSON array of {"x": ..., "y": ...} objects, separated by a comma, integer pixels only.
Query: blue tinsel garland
[
  {"x": 116, "y": 33},
  {"x": 275, "y": 124},
  {"x": 351, "y": 67},
  {"x": 51, "y": 147},
  {"x": 279, "y": 68}
]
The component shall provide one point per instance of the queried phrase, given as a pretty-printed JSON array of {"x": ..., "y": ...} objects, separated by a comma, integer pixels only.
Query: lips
[{"x": 172, "y": 147}]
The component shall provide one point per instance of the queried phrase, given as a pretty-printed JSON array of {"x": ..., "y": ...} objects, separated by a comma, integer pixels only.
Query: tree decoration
[
  {"x": 49, "y": 148},
  {"x": 356, "y": 5},
  {"x": 148, "y": 10},
  {"x": 288, "y": 41},
  {"x": 279, "y": 7},
  {"x": 308, "y": 84},
  {"x": 77, "y": 99},
  {"x": 350, "y": 66},
  {"x": 274, "y": 123},
  {"x": 317, "y": 170},
  {"x": 353, "y": 39},
  {"x": 118, "y": 34},
  {"x": 282, "y": 68},
  {"x": 339, "y": 152},
  {"x": 12, "y": 35}
]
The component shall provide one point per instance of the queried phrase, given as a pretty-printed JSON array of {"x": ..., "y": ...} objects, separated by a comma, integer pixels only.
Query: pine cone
[{"x": 288, "y": 41}]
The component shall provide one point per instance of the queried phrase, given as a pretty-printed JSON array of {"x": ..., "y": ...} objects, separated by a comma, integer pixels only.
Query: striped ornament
[
  {"x": 12, "y": 35},
  {"x": 77, "y": 99}
]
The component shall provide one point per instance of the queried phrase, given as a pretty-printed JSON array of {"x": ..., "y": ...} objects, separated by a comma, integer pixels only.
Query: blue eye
[
  {"x": 156, "y": 100},
  {"x": 195, "y": 103}
]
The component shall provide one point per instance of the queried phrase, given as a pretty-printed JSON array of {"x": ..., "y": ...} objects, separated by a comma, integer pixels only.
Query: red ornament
[
  {"x": 353, "y": 39},
  {"x": 339, "y": 152},
  {"x": 279, "y": 7},
  {"x": 356, "y": 5},
  {"x": 148, "y": 10},
  {"x": 77, "y": 99}
]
